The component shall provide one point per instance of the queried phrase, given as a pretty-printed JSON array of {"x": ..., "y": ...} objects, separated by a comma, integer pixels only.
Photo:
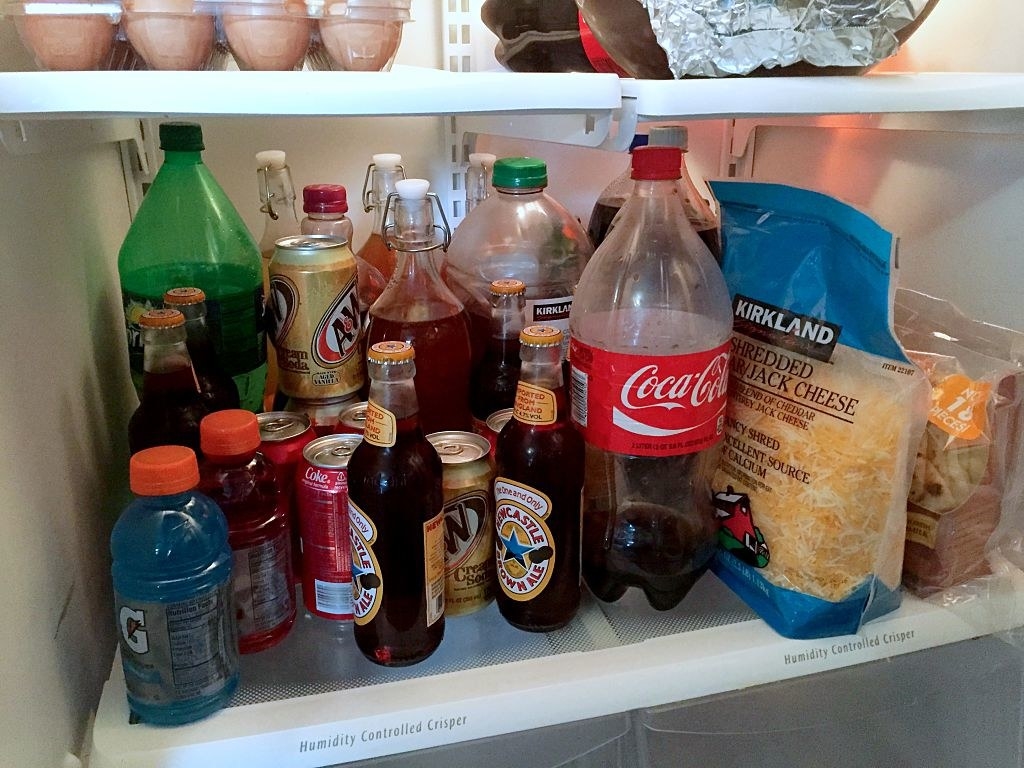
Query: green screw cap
[
  {"x": 181, "y": 137},
  {"x": 520, "y": 172}
]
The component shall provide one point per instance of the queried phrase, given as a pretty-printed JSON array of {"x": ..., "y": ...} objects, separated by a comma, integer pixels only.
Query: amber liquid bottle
[
  {"x": 495, "y": 380},
  {"x": 381, "y": 177},
  {"x": 537, "y": 489},
  {"x": 171, "y": 405},
  {"x": 418, "y": 308},
  {"x": 396, "y": 514}
]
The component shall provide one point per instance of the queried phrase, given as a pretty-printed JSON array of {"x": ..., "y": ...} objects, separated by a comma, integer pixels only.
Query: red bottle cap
[
  {"x": 657, "y": 163},
  {"x": 232, "y": 432},
  {"x": 324, "y": 198},
  {"x": 163, "y": 470}
]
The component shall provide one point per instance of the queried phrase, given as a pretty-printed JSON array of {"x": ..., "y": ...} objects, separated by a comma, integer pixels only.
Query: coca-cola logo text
[{"x": 648, "y": 388}]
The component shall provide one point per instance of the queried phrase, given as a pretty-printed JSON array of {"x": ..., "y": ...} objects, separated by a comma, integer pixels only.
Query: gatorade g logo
[
  {"x": 337, "y": 336},
  {"x": 282, "y": 306},
  {"x": 367, "y": 586},
  {"x": 133, "y": 629}
]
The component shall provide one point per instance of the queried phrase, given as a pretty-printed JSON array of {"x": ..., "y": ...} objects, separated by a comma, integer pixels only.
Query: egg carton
[{"x": 346, "y": 35}]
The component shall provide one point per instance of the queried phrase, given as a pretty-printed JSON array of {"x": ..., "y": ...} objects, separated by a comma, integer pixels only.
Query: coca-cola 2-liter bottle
[{"x": 650, "y": 328}]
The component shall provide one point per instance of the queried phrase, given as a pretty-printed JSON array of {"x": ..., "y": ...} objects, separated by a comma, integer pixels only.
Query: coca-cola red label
[{"x": 646, "y": 405}]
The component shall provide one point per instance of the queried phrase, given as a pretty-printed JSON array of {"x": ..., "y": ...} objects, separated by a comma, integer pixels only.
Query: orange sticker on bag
[{"x": 958, "y": 406}]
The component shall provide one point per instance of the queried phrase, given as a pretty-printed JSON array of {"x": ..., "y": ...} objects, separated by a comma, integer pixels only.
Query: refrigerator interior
[{"x": 948, "y": 184}]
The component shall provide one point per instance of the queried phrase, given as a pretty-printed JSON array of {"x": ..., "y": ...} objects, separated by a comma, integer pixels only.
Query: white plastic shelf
[{"x": 314, "y": 701}]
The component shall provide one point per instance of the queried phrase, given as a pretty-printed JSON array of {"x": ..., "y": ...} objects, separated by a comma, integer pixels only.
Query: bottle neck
[
  {"x": 166, "y": 362},
  {"x": 655, "y": 187},
  {"x": 507, "y": 315},
  {"x": 176, "y": 158},
  {"x": 392, "y": 388},
  {"x": 519, "y": 191},
  {"x": 383, "y": 185},
  {"x": 541, "y": 368}
]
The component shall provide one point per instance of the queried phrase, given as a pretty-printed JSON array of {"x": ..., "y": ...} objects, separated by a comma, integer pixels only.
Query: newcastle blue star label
[{"x": 524, "y": 546}]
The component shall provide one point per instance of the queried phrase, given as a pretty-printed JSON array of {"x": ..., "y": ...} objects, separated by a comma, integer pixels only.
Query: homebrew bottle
[
  {"x": 215, "y": 385},
  {"x": 187, "y": 232},
  {"x": 478, "y": 178},
  {"x": 540, "y": 460},
  {"x": 172, "y": 563},
  {"x": 396, "y": 514},
  {"x": 171, "y": 405},
  {"x": 521, "y": 232},
  {"x": 240, "y": 479},
  {"x": 418, "y": 308},
  {"x": 326, "y": 208},
  {"x": 650, "y": 351},
  {"x": 381, "y": 176},
  {"x": 277, "y": 203},
  {"x": 495, "y": 380}
]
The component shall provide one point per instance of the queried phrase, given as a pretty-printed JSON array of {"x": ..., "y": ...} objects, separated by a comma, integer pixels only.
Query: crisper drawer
[
  {"x": 603, "y": 742},
  {"x": 956, "y": 706}
]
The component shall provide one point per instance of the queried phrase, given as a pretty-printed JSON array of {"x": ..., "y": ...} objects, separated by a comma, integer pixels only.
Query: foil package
[{"x": 713, "y": 38}]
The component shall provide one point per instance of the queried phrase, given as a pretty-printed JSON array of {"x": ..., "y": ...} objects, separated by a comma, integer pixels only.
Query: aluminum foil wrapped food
[{"x": 714, "y": 38}]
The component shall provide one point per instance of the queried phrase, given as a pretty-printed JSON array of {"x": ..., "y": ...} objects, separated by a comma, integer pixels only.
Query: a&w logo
[
  {"x": 337, "y": 336},
  {"x": 282, "y": 305}
]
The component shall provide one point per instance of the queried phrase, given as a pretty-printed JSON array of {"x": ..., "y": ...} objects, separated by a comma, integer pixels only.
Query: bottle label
[
  {"x": 554, "y": 312},
  {"x": 433, "y": 565},
  {"x": 367, "y": 580},
  {"x": 261, "y": 585},
  {"x": 174, "y": 652},
  {"x": 535, "y": 405},
  {"x": 642, "y": 405},
  {"x": 524, "y": 547},
  {"x": 381, "y": 427}
]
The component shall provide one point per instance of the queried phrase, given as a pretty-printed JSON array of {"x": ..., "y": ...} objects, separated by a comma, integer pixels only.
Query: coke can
[
  {"x": 283, "y": 435},
  {"x": 468, "y": 476},
  {"x": 352, "y": 420},
  {"x": 322, "y": 491},
  {"x": 494, "y": 424},
  {"x": 313, "y": 317}
]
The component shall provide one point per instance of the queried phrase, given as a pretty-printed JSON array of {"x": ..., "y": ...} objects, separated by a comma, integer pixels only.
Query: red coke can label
[
  {"x": 322, "y": 494},
  {"x": 645, "y": 405}
]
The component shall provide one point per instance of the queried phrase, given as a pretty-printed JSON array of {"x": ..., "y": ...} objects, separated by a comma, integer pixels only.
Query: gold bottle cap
[
  {"x": 508, "y": 285},
  {"x": 161, "y": 318},
  {"x": 391, "y": 352},
  {"x": 540, "y": 336},
  {"x": 184, "y": 296}
]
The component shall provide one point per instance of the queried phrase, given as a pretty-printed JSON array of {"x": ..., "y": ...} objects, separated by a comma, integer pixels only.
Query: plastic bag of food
[
  {"x": 965, "y": 512},
  {"x": 824, "y": 416}
]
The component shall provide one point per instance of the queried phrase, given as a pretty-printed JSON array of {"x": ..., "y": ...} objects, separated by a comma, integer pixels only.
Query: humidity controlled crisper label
[{"x": 177, "y": 651}]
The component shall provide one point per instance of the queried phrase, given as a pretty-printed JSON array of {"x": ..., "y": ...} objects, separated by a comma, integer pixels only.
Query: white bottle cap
[
  {"x": 412, "y": 189},
  {"x": 485, "y": 159},
  {"x": 271, "y": 158},
  {"x": 387, "y": 161}
]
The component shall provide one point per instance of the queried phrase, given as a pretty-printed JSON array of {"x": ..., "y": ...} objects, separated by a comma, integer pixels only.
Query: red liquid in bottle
[
  {"x": 442, "y": 367},
  {"x": 376, "y": 253},
  {"x": 169, "y": 412}
]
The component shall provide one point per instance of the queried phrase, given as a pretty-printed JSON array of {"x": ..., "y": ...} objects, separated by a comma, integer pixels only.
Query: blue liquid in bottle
[{"x": 172, "y": 592}]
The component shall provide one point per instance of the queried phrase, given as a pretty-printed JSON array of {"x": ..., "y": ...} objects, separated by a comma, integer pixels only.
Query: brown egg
[
  {"x": 67, "y": 42},
  {"x": 168, "y": 35},
  {"x": 360, "y": 45},
  {"x": 267, "y": 42}
]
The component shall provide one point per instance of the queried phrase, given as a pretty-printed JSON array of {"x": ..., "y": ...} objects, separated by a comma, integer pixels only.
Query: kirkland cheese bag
[{"x": 824, "y": 416}]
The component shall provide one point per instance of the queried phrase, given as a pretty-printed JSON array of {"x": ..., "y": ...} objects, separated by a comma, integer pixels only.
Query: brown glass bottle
[
  {"x": 170, "y": 406},
  {"x": 396, "y": 514},
  {"x": 495, "y": 380},
  {"x": 218, "y": 389},
  {"x": 540, "y": 460}
]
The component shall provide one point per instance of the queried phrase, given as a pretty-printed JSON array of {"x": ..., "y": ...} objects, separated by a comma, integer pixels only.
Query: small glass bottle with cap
[
  {"x": 381, "y": 176},
  {"x": 496, "y": 378},
  {"x": 478, "y": 178}
]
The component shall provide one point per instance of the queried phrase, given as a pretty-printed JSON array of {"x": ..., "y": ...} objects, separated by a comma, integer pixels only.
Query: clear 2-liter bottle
[
  {"x": 537, "y": 487},
  {"x": 418, "y": 308},
  {"x": 243, "y": 483},
  {"x": 187, "y": 232},
  {"x": 396, "y": 514},
  {"x": 215, "y": 385},
  {"x": 171, "y": 405},
  {"x": 650, "y": 351},
  {"x": 172, "y": 592}
]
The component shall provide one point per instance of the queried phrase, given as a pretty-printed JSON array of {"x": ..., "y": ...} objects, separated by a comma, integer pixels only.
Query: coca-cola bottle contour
[{"x": 650, "y": 328}]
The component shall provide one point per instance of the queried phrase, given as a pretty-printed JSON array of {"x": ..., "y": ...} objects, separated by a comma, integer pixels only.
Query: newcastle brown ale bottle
[
  {"x": 396, "y": 517},
  {"x": 537, "y": 493}
]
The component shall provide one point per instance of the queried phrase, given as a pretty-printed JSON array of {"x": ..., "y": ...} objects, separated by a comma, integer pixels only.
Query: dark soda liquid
[
  {"x": 442, "y": 366},
  {"x": 603, "y": 214},
  {"x": 376, "y": 253},
  {"x": 399, "y": 489},
  {"x": 495, "y": 380},
  {"x": 661, "y": 548},
  {"x": 549, "y": 459},
  {"x": 217, "y": 388},
  {"x": 258, "y": 520},
  {"x": 169, "y": 412}
]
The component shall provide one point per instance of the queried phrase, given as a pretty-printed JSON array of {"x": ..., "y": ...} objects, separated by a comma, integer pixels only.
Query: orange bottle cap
[
  {"x": 391, "y": 352},
  {"x": 161, "y": 318},
  {"x": 231, "y": 432},
  {"x": 507, "y": 285},
  {"x": 163, "y": 470},
  {"x": 540, "y": 336},
  {"x": 184, "y": 296}
]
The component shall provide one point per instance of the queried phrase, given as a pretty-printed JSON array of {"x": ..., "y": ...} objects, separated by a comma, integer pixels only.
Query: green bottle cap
[
  {"x": 520, "y": 172},
  {"x": 181, "y": 137}
]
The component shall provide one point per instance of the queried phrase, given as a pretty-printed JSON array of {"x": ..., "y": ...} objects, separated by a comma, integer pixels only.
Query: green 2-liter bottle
[{"x": 187, "y": 232}]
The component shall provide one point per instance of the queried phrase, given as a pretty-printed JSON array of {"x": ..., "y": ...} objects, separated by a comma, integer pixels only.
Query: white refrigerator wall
[{"x": 954, "y": 198}]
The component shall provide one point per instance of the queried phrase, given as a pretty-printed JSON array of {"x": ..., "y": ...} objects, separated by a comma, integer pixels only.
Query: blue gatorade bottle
[{"x": 172, "y": 592}]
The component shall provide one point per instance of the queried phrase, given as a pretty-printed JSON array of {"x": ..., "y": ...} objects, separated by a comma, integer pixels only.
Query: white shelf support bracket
[
  {"x": 139, "y": 161},
  {"x": 31, "y": 137}
]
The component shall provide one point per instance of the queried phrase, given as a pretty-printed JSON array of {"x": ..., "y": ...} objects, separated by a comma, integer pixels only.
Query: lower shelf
[{"x": 315, "y": 701}]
